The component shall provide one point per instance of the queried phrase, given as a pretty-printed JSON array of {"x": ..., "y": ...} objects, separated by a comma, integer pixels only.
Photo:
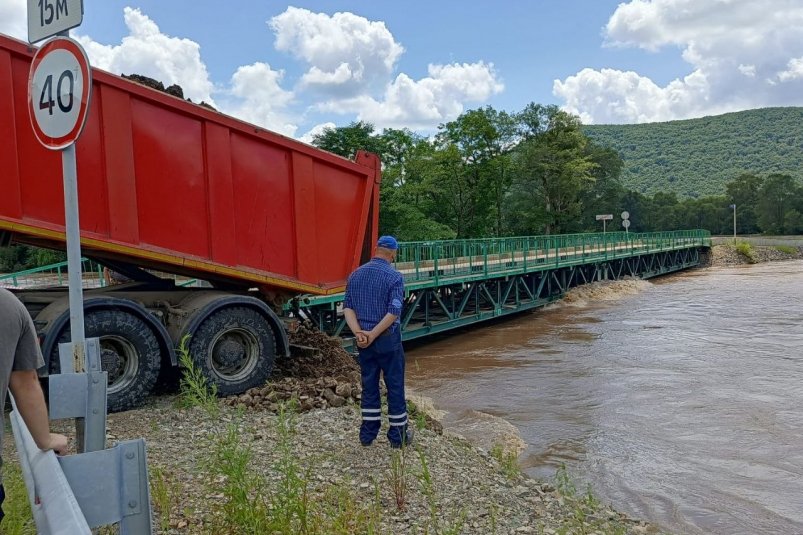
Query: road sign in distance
[
  {"x": 625, "y": 215},
  {"x": 59, "y": 87},
  {"x": 604, "y": 217},
  {"x": 626, "y": 223},
  {"x": 47, "y": 18}
]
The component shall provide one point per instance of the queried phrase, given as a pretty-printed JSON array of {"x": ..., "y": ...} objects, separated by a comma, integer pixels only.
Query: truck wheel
[
  {"x": 129, "y": 353},
  {"x": 235, "y": 349}
]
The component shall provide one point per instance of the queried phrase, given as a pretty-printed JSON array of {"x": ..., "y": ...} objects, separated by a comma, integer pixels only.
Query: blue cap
[{"x": 387, "y": 242}]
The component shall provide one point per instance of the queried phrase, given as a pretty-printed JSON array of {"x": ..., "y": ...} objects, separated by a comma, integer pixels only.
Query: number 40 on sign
[{"x": 59, "y": 88}]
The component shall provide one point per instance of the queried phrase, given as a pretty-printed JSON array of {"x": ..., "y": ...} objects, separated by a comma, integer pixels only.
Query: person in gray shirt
[{"x": 20, "y": 356}]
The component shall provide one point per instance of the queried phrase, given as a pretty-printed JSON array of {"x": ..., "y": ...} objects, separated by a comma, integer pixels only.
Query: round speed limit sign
[{"x": 59, "y": 87}]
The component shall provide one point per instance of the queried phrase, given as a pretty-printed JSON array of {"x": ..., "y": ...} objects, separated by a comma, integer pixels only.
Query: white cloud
[
  {"x": 737, "y": 50},
  {"x": 148, "y": 52},
  {"x": 349, "y": 66},
  {"x": 13, "y": 20},
  {"x": 425, "y": 103},
  {"x": 262, "y": 100},
  {"x": 315, "y": 130},
  {"x": 346, "y": 54},
  {"x": 794, "y": 70}
]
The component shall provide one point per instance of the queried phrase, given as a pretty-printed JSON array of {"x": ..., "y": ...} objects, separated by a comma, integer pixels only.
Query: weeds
[
  {"x": 244, "y": 508},
  {"x": 194, "y": 387},
  {"x": 398, "y": 477},
  {"x": 507, "y": 460},
  {"x": 417, "y": 415},
  {"x": 583, "y": 513},
  {"x": 746, "y": 250},
  {"x": 787, "y": 249},
  {"x": 428, "y": 490},
  {"x": 165, "y": 494}
]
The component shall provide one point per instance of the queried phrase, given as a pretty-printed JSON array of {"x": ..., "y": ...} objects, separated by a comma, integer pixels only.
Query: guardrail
[
  {"x": 432, "y": 260},
  {"x": 96, "y": 487},
  {"x": 56, "y": 275},
  {"x": 53, "y": 275}
]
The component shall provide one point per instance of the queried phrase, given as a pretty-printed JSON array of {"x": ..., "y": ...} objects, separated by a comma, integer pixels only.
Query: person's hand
[
  {"x": 362, "y": 339},
  {"x": 58, "y": 443}
]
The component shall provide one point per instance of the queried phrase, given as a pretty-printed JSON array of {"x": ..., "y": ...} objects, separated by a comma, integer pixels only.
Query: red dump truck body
[{"x": 173, "y": 186}]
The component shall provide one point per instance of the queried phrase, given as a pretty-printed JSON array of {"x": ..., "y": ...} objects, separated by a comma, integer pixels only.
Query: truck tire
[
  {"x": 129, "y": 352},
  {"x": 235, "y": 349}
]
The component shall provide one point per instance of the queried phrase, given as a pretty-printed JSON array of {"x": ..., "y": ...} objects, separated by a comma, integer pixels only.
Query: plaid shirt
[{"x": 373, "y": 290}]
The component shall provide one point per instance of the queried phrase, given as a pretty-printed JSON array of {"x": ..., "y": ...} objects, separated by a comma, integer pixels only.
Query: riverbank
[
  {"x": 744, "y": 253},
  {"x": 225, "y": 467}
]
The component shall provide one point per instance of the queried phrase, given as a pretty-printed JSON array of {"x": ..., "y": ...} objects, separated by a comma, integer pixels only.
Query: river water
[{"x": 679, "y": 400}]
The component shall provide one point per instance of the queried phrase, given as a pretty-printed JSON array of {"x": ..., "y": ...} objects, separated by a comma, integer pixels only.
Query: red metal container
[{"x": 170, "y": 185}]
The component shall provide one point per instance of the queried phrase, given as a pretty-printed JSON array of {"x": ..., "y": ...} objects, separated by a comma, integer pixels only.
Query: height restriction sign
[{"x": 59, "y": 87}]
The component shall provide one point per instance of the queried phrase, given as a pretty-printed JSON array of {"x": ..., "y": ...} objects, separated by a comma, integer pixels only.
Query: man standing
[
  {"x": 20, "y": 356},
  {"x": 372, "y": 306}
]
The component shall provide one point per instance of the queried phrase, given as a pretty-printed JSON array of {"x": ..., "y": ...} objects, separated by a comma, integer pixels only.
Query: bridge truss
[{"x": 451, "y": 284}]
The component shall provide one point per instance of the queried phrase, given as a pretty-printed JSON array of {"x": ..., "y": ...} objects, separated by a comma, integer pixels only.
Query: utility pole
[{"x": 734, "y": 222}]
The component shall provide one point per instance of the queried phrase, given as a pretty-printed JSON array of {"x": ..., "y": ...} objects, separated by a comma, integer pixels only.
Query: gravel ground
[
  {"x": 471, "y": 490},
  {"x": 726, "y": 255}
]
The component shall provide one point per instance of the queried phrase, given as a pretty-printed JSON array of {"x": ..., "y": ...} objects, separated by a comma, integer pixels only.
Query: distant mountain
[{"x": 697, "y": 157}]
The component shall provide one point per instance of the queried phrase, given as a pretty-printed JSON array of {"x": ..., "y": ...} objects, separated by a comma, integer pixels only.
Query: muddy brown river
[{"x": 679, "y": 401}]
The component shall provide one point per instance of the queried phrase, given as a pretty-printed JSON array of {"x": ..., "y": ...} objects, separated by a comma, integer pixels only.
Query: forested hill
[{"x": 697, "y": 157}]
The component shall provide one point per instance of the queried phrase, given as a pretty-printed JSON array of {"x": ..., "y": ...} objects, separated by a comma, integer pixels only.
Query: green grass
[
  {"x": 18, "y": 520},
  {"x": 787, "y": 249}
]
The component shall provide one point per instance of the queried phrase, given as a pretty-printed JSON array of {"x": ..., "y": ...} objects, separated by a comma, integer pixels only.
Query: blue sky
[{"x": 298, "y": 67}]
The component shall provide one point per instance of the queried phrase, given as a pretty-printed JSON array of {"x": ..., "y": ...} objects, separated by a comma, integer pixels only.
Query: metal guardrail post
[{"x": 81, "y": 395}]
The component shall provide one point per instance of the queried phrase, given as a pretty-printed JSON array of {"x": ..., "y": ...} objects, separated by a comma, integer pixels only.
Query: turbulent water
[{"x": 680, "y": 401}]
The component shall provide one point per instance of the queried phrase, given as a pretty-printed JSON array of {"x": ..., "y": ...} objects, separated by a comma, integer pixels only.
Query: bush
[{"x": 746, "y": 250}]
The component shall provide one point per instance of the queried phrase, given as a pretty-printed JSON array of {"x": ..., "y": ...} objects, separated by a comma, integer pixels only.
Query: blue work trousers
[{"x": 384, "y": 355}]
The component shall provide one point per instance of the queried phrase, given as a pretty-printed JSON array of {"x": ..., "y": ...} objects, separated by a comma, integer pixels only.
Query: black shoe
[
  {"x": 366, "y": 444},
  {"x": 406, "y": 441}
]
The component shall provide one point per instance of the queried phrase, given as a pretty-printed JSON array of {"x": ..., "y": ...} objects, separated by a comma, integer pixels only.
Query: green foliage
[
  {"x": 539, "y": 171},
  {"x": 244, "y": 508},
  {"x": 697, "y": 157},
  {"x": 746, "y": 250},
  {"x": 347, "y": 140},
  {"x": 787, "y": 249},
  {"x": 18, "y": 520},
  {"x": 21, "y": 257},
  {"x": 194, "y": 388},
  {"x": 507, "y": 460}
]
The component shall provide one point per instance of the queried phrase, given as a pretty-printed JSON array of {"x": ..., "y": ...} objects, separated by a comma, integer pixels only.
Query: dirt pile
[
  {"x": 174, "y": 89},
  {"x": 321, "y": 375}
]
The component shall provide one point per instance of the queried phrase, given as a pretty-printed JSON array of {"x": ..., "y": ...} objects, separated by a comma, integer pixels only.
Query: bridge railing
[
  {"x": 425, "y": 260},
  {"x": 53, "y": 275}
]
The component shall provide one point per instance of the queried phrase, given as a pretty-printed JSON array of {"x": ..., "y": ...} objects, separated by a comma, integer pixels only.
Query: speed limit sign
[{"x": 59, "y": 87}]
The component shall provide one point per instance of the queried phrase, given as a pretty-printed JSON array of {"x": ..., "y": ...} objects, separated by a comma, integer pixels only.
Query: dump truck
[{"x": 168, "y": 186}]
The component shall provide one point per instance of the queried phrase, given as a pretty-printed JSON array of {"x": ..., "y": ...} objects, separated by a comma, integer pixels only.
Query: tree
[
  {"x": 744, "y": 193},
  {"x": 347, "y": 140},
  {"x": 552, "y": 167},
  {"x": 776, "y": 198}
]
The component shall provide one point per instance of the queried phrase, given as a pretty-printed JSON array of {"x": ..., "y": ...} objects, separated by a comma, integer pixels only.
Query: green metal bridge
[{"x": 451, "y": 284}]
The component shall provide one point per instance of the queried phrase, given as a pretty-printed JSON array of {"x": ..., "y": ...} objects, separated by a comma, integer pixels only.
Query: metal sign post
[
  {"x": 604, "y": 218},
  {"x": 59, "y": 90},
  {"x": 626, "y": 220}
]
